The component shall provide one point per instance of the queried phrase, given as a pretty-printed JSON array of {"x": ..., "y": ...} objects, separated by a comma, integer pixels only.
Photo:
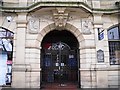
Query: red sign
[
  {"x": 9, "y": 62},
  {"x": 47, "y": 45}
]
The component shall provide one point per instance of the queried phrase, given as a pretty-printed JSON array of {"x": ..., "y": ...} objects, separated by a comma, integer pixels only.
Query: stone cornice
[{"x": 39, "y": 5}]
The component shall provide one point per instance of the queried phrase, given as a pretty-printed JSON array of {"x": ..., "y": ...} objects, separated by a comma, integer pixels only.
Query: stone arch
[{"x": 75, "y": 31}]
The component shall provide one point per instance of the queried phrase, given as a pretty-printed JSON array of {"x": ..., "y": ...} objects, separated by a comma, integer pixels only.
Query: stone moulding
[
  {"x": 39, "y": 5},
  {"x": 99, "y": 69},
  {"x": 33, "y": 47},
  {"x": 26, "y": 70}
]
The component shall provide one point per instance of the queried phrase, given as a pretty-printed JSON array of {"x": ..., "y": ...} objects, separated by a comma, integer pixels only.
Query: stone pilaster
[
  {"x": 100, "y": 67},
  {"x": 19, "y": 66},
  {"x": 87, "y": 62},
  {"x": 21, "y": 35},
  {"x": 32, "y": 60}
]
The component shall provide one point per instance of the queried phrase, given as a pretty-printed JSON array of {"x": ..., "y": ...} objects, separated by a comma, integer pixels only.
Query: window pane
[
  {"x": 2, "y": 34},
  {"x": 5, "y": 33},
  {"x": 6, "y": 39},
  {"x": 114, "y": 46},
  {"x": 113, "y": 34},
  {"x": 114, "y": 50}
]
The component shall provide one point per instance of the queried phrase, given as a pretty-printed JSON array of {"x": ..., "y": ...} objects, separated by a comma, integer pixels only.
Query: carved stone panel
[
  {"x": 60, "y": 17},
  {"x": 34, "y": 25},
  {"x": 100, "y": 55},
  {"x": 86, "y": 26}
]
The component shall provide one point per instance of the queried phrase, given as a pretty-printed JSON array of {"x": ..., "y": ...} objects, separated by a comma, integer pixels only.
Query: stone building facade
[{"x": 82, "y": 25}]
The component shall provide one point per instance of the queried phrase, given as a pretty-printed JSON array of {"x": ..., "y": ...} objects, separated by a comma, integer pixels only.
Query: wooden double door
[{"x": 59, "y": 65}]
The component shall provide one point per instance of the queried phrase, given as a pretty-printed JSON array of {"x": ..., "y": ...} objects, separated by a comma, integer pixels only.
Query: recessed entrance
[{"x": 59, "y": 58}]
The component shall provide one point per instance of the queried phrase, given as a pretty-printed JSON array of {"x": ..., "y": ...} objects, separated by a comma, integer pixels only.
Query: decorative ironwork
[{"x": 59, "y": 45}]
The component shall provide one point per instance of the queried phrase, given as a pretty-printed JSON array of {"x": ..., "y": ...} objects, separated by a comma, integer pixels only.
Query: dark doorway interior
[
  {"x": 59, "y": 58},
  {"x": 63, "y": 36}
]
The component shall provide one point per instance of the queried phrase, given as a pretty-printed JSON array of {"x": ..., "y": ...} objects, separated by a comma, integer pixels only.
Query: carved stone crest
[
  {"x": 33, "y": 25},
  {"x": 86, "y": 26},
  {"x": 60, "y": 17}
]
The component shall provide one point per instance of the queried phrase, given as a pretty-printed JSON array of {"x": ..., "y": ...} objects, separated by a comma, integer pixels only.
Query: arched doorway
[{"x": 59, "y": 58}]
